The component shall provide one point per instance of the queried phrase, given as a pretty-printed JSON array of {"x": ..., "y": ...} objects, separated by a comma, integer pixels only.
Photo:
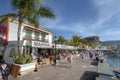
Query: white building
[{"x": 31, "y": 39}]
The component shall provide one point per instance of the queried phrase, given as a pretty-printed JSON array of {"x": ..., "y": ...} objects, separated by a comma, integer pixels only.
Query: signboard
[
  {"x": 41, "y": 44},
  {"x": 57, "y": 46}
]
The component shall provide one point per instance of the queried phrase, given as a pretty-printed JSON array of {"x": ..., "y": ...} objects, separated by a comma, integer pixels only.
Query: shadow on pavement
[
  {"x": 94, "y": 62},
  {"x": 88, "y": 75}
]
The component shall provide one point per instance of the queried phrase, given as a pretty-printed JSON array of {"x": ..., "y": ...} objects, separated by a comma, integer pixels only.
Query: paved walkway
[{"x": 80, "y": 70}]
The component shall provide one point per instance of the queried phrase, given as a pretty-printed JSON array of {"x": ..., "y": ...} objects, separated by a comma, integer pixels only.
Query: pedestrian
[
  {"x": 91, "y": 54},
  {"x": 96, "y": 55},
  {"x": 41, "y": 58},
  {"x": 59, "y": 57},
  {"x": 4, "y": 70},
  {"x": 70, "y": 59},
  {"x": 82, "y": 55},
  {"x": 35, "y": 59}
]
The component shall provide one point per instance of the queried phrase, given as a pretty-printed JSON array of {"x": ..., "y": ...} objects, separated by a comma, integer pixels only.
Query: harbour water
[{"x": 114, "y": 62}]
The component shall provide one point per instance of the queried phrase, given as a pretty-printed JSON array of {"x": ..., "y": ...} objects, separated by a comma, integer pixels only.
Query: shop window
[
  {"x": 28, "y": 33},
  {"x": 37, "y": 36},
  {"x": 43, "y": 37}
]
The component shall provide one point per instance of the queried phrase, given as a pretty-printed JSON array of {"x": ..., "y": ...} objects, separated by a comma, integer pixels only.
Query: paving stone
[{"x": 80, "y": 70}]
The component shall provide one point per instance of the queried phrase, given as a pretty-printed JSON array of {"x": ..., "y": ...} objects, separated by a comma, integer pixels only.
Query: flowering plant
[
  {"x": 4, "y": 42},
  {"x": 3, "y": 30}
]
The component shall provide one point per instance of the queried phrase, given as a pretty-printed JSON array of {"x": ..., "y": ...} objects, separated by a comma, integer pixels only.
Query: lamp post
[{"x": 55, "y": 39}]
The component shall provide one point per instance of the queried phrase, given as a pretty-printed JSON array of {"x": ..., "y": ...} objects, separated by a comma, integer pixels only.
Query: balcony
[{"x": 33, "y": 39}]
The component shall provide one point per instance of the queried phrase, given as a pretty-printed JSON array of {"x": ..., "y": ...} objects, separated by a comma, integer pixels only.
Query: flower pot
[{"x": 25, "y": 68}]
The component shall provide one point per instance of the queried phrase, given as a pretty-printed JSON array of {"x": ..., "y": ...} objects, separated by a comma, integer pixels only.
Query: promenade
[{"x": 80, "y": 70}]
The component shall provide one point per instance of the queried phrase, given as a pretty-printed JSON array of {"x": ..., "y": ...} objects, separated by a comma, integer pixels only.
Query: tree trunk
[{"x": 18, "y": 35}]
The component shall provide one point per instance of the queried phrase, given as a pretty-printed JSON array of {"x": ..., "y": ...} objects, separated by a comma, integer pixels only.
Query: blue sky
[{"x": 80, "y": 17}]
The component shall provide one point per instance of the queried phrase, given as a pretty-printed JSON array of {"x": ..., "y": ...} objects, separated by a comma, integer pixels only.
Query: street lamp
[{"x": 55, "y": 39}]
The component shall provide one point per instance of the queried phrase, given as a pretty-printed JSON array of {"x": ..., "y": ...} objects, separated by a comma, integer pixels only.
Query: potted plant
[{"x": 25, "y": 64}]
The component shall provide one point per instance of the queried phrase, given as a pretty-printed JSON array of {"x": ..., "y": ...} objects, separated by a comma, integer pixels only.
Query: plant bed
[
  {"x": 23, "y": 65},
  {"x": 26, "y": 68}
]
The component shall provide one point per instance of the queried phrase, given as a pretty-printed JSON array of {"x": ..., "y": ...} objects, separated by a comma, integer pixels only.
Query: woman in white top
[{"x": 70, "y": 59}]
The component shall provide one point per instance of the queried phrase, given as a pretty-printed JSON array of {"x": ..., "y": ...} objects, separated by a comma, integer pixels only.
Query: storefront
[{"x": 33, "y": 40}]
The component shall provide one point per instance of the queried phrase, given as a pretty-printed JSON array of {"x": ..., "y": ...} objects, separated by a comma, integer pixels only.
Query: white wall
[
  {"x": 7, "y": 57},
  {"x": 13, "y": 29},
  {"x": 50, "y": 39}
]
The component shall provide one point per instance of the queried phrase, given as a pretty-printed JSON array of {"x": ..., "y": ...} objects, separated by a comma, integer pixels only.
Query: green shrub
[
  {"x": 19, "y": 60},
  {"x": 23, "y": 60}
]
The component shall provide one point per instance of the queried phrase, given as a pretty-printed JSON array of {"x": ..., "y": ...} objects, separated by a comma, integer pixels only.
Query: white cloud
[
  {"x": 107, "y": 9},
  {"x": 111, "y": 32}
]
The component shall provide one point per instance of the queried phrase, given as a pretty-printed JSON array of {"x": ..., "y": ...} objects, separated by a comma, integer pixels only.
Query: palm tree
[
  {"x": 75, "y": 41},
  {"x": 88, "y": 43},
  {"x": 61, "y": 40},
  {"x": 30, "y": 11},
  {"x": 91, "y": 44}
]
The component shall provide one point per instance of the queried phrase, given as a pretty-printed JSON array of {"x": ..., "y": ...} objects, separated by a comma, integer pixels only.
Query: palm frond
[
  {"x": 75, "y": 41},
  {"x": 33, "y": 21},
  {"x": 61, "y": 40},
  {"x": 8, "y": 15},
  {"x": 5, "y": 16},
  {"x": 2, "y": 20},
  {"x": 31, "y": 10},
  {"x": 14, "y": 4},
  {"x": 45, "y": 12}
]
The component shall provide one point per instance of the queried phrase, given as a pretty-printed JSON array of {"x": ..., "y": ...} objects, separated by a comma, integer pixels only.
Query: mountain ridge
[{"x": 111, "y": 42}]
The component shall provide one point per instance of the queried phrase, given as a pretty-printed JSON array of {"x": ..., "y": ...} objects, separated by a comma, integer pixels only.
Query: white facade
[
  {"x": 31, "y": 39},
  {"x": 25, "y": 40},
  {"x": 13, "y": 29}
]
